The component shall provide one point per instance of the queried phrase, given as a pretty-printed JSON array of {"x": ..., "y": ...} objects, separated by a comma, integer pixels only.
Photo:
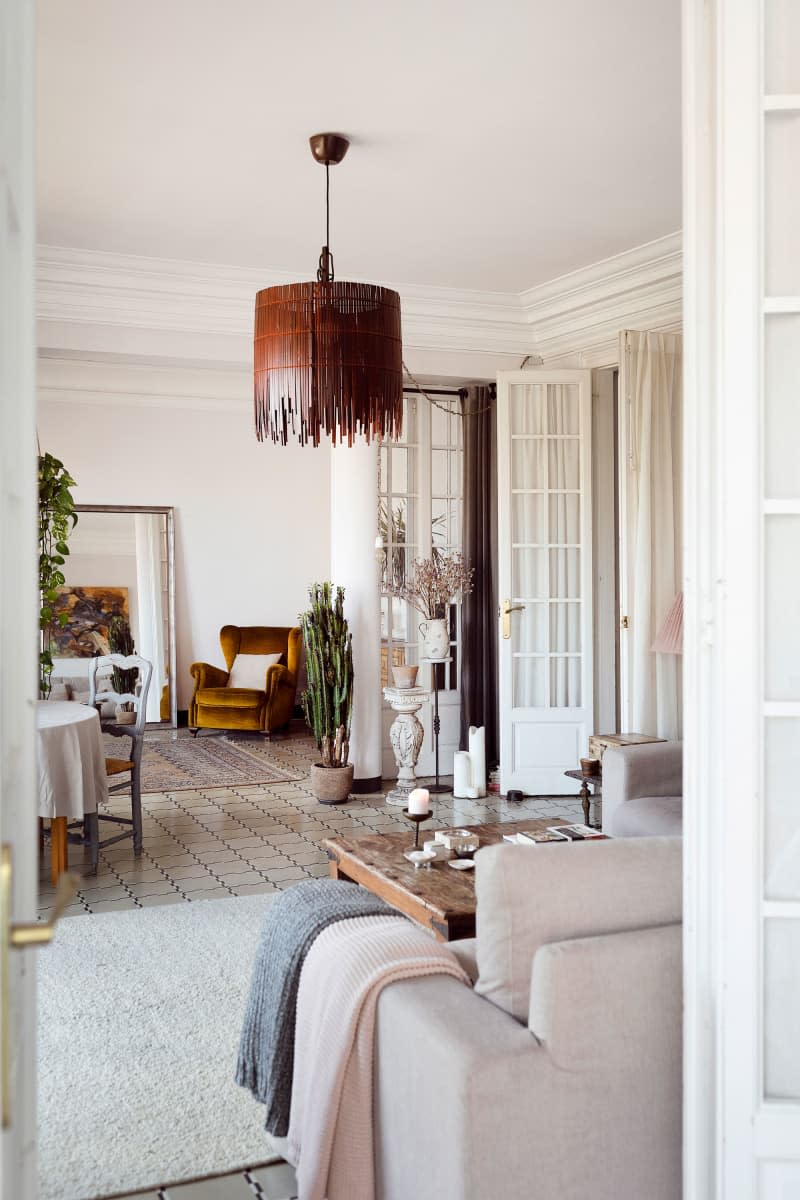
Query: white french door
[
  {"x": 18, "y": 598},
  {"x": 545, "y": 577}
]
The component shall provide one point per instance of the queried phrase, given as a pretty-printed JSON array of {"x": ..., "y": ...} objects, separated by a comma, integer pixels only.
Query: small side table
[
  {"x": 436, "y": 788},
  {"x": 587, "y": 781},
  {"x": 406, "y": 734}
]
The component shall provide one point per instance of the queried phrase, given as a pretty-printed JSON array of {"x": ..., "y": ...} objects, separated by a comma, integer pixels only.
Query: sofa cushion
[
  {"x": 528, "y": 897},
  {"x": 649, "y": 816},
  {"x": 250, "y": 670}
]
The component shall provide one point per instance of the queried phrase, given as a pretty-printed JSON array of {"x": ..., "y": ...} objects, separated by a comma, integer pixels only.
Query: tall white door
[
  {"x": 18, "y": 595},
  {"x": 545, "y": 577},
  {"x": 742, "y": 588}
]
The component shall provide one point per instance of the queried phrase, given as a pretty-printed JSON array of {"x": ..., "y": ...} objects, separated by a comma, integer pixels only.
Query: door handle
[
  {"x": 505, "y": 613},
  {"x": 20, "y": 936}
]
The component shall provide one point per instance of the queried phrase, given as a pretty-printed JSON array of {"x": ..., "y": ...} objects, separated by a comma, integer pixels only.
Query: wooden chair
[{"x": 126, "y": 765}]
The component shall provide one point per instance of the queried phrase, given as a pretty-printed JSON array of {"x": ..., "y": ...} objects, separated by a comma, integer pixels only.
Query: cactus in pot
[
  {"x": 120, "y": 641},
  {"x": 328, "y": 698}
]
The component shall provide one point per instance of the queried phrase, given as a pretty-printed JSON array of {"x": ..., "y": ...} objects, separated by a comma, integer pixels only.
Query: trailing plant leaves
[{"x": 57, "y": 518}]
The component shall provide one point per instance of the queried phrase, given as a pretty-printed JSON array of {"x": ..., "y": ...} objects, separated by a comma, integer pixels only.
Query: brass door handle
[
  {"x": 505, "y": 613},
  {"x": 20, "y": 936}
]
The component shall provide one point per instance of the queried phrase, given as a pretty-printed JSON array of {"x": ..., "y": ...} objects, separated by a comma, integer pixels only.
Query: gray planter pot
[{"x": 331, "y": 785}]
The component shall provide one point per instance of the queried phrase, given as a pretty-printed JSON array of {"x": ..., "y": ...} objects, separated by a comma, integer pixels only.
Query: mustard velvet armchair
[{"x": 214, "y": 705}]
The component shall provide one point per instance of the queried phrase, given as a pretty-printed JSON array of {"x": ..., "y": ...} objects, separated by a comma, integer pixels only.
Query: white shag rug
[{"x": 139, "y": 1020}]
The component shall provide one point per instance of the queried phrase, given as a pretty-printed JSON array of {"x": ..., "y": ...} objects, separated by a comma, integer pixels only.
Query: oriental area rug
[
  {"x": 139, "y": 1021},
  {"x": 208, "y": 761}
]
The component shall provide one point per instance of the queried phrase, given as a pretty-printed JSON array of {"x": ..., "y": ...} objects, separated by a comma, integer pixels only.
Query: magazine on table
[
  {"x": 535, "y": 837},
  {"x": 553, "y": 834},
  {"x": 578, "y": 833}
]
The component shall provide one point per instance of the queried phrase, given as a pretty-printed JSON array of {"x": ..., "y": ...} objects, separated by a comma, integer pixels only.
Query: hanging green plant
[{"x": 57, "y": 519}]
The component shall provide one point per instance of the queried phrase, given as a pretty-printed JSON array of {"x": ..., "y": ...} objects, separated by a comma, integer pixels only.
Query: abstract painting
[{"x": 89, "y": 611}]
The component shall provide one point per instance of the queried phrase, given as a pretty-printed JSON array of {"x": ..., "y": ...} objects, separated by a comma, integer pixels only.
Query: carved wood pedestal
[{"x": 406, "y": 734}]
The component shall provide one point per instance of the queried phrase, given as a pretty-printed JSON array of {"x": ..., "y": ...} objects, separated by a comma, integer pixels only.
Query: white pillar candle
[
  {"x": 419, "y": 801},
  {"x": 477, "y": 753},
  {"x": 462, "y": 776}
]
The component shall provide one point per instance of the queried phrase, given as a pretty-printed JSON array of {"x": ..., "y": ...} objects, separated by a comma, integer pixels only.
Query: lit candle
[{"x": 419, "y": 801}]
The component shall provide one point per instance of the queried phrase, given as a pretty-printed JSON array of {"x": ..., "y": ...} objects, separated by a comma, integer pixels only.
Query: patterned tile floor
[{"x": 205, "y": 844}]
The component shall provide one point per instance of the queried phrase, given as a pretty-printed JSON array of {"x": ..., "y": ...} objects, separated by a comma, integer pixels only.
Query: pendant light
[{"x": 327, "y": 354}]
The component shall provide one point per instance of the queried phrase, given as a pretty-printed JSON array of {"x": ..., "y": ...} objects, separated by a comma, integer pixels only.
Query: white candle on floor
[
  {"x": 477, "y": 753},
  {"x": 462, "y": 776},
  {"x": 419, "y": 801}
]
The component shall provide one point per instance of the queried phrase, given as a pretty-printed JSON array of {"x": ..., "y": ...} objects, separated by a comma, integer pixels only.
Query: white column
[{"x": 354, "y": 476}]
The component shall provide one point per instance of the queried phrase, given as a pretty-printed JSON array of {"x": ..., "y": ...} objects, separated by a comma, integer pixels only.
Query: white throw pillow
[{"x": 250, "y": 670}]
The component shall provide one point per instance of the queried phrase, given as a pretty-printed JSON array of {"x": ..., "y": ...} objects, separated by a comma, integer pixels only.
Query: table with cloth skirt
[{"x": 72, "y": 770}]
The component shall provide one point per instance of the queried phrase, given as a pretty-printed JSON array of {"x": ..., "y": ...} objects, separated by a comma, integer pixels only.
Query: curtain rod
[{"x": 437, "y": 391}]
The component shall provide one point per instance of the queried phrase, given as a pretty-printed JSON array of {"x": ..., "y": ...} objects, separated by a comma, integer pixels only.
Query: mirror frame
[{"x": 169, "y": 512}]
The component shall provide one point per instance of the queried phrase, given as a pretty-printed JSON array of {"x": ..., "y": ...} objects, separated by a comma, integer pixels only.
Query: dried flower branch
[{"x": 434, "y": 582}]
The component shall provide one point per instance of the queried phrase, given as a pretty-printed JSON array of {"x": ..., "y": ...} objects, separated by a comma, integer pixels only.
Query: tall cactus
[
  {"x": 328, "y": 698},
  {"x": 120, "y": 641}
]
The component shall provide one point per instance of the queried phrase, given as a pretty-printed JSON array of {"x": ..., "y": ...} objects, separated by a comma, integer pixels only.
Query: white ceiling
[{"x": 495, "y": 145}]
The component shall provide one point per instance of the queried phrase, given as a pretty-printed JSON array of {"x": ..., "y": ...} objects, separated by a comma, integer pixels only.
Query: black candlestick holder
[
  {"x": 436, "y": 788},
  {"x": 417, "y": 818}
]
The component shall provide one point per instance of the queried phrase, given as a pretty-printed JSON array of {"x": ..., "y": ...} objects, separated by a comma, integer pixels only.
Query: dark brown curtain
[{"x": 479, "y": 609}]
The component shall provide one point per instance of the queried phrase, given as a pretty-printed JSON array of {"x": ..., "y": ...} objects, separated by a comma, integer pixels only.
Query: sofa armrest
[
  {"x": 467, "y": 1098},
  {"x": 609, "y": 1010},
  {"x": 631, "y": 772},
  {"x": 205, "y": 675},
  {"x": 618, "y": 979},
  {"x": 454, "y": 1075}
]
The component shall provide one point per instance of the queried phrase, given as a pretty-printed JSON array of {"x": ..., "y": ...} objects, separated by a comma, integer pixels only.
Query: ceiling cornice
[{"x": 640, "y": 288}]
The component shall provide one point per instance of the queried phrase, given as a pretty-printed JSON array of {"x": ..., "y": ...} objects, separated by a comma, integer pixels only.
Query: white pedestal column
[{"x": 354, "y": 475}]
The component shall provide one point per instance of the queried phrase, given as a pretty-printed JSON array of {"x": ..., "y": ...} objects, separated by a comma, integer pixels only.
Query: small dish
[
  {"x": 420, "y": 858},
  {"x": 462, "y": 864}
]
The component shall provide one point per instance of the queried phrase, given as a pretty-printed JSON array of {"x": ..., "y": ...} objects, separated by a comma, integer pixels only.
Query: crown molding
[
  {"x": 130, "y": 292},
  {"x": 121, "y": 381},
  {"x": 583, "y": 312},
  {"x": 577, "y": 314}
]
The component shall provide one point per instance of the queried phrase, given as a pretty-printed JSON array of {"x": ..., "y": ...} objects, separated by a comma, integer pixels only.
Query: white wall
[{"x": 251, "y": 520}]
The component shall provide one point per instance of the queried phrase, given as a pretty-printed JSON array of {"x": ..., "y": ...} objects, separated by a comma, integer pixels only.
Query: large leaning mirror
[{"x": 121, "y": 563}]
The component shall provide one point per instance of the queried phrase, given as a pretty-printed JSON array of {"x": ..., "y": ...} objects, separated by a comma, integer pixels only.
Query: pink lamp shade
[{"x": 669, "y": 639}]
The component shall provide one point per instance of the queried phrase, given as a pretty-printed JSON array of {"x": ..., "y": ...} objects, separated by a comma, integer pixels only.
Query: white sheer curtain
[
  {"x": 564, "y": 537},
  {"x": 150, "y": 600},
  {"x": 651, "y": 392},
  {"x": 546, "y": 536}
]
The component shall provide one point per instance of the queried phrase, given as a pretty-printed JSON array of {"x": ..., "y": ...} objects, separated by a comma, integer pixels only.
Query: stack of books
[{"x": 555, "y": 833}]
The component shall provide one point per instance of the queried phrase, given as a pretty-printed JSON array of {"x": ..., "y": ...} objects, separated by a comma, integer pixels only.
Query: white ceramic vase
[{"x": 435, "y": 638}]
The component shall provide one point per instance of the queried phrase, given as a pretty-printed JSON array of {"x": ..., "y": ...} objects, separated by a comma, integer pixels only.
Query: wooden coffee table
[{"x": 437, "y": 896}]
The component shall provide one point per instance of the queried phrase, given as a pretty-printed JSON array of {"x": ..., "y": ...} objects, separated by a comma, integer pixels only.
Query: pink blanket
[{"x": 330, "y": 1128}]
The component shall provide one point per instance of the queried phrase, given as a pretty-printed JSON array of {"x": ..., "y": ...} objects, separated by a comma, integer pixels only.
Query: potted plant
[
  {"x": 57, "y": 519},
  {"x": 328, "y": 698},
  {"x": 120, "y": 641},
  {"x": 434, "y": 582}
]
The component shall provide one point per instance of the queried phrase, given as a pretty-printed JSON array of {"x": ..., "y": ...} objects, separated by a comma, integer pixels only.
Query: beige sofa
[
  {"x": 559, "y": 1076},
  {"x": 643, "y": 790}
]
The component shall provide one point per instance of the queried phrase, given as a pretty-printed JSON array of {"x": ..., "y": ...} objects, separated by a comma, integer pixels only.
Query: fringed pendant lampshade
[{"x": 327, "y": 355}]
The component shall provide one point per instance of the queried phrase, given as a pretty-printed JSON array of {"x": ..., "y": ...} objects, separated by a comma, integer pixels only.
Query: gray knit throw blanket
[{"x": 293, "y": 919}]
